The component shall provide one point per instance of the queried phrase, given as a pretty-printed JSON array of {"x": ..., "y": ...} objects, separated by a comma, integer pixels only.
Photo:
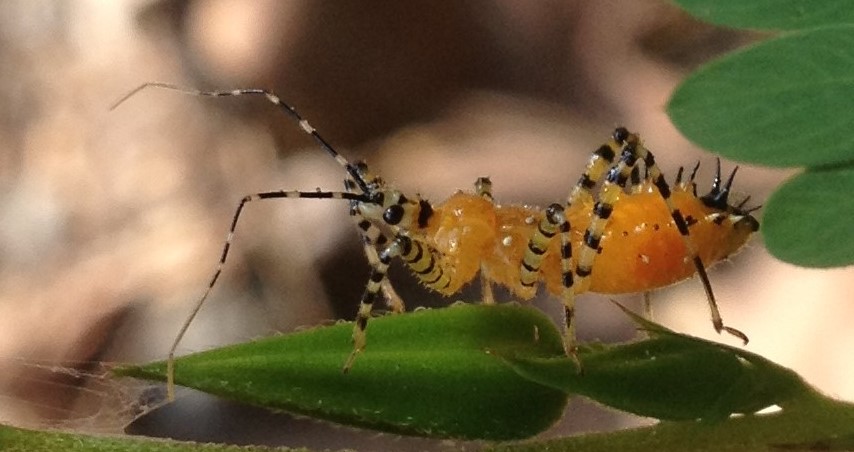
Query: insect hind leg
[{"x": 631, "y": 153}]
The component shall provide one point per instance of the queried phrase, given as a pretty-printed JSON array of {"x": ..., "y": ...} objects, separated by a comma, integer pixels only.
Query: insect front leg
[
  {"x": 280, "y": 194},
  {"x": 372, "y": 239}
]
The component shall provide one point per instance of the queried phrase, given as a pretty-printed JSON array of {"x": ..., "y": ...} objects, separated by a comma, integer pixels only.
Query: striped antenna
[{"x": 352, "y": 170}]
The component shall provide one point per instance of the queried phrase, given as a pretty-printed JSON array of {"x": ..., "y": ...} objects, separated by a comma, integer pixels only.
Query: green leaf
[
  {"x": 425, "y": 373},
  {"x": 670, "y": 377},
  {"x": 784, "y": 102},
  {"x": 771, "y": 14},
  {"x": 13, "y": 439},
  {"x": 817, "y": 423},
  {"x": 808, "y": 221},
  {"x": 437, "y": 372}
]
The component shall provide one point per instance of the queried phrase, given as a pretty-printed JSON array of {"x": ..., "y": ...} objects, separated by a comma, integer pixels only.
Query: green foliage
[
  {"x": 669, "y": 377},
  {"x": 497, "y": 372},
  {"x": 13, "y": 439},
  {"x": 785, "y": 102},
  {"x": 816, "y": 424},
  {"x": 819, "y": 204},
  {"x": 426, "y": 373},
  {"x": 771, "y": 14}
]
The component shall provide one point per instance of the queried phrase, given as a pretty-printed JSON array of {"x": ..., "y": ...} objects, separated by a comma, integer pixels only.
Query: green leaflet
[
  {"x": 784, "y": 102},
  {"x": 481, "y": 372},
  {"x": 771, "y": 14},
  {"x": 426, "y": 373}
]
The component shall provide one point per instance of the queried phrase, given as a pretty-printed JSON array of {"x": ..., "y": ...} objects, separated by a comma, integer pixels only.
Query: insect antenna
[
  {"x": 353, "y": 170},
  {"x": 370, "y": 187}
]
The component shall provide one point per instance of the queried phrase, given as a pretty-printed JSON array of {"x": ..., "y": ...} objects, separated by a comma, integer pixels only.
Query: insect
[{"x": 622, "y": 229}]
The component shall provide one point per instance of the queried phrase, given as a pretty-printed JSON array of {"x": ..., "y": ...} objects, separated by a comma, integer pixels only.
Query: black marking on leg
[
  {"x": 567, "y": 279},
  {"x": 566, "y": 250},
  {"x": 630, "y": 154},
  {"x": 615, "y": 176},
  {"x": 603, "y": 210},
  {"x": 605, "y": 152},
  {"x": 544, "y": 233},
  {"x": 533, "y": 248},
  {"x": 586, "y": 182},
  {"x": 635, "y": 176},
  {"x": 362, "y": 323},
  {"x": 528, "y": 267},
  {"x": 592, "y": 240}
]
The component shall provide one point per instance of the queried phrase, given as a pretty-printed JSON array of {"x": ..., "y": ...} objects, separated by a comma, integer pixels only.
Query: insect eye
[{"x": 393, "y": 214}]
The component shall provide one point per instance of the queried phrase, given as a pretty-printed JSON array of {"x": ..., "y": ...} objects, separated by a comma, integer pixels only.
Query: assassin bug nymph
[{"x": 635, "y": 233}]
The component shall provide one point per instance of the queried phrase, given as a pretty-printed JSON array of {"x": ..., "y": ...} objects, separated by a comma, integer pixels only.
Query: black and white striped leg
[
  {"x": 647, "y": 305},
  {"x": 372, "y": 239},
  {"x": 555, "y": 215},
  {"x": 483, "y": 187},
  {"x": 379, "y": 269},
  {"x": 554, "y": 222},
  {"x": 647, "y": 312},
  {"x": 632, "y": 152},
  {"x": 594, "y": 171},
  {"x": 425, "y": 261},
  {"x": 280, "y": 194}
]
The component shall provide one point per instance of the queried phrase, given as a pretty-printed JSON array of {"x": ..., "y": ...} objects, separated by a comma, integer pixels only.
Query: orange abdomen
[{"x": 640, "y": 250}]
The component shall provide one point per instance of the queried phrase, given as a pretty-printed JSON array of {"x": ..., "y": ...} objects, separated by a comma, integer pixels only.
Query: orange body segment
[
  {"x": 463, "y": 229},
  {"x": 641, "y": 249}
]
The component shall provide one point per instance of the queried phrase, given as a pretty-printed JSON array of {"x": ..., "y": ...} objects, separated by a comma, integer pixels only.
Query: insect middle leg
[
  {"x": 483, "y": 188},
  {"x": 553, "y": 222}
]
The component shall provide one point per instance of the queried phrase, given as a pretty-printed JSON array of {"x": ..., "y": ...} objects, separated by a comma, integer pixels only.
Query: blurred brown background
[{"x": 111, "y": 222}]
